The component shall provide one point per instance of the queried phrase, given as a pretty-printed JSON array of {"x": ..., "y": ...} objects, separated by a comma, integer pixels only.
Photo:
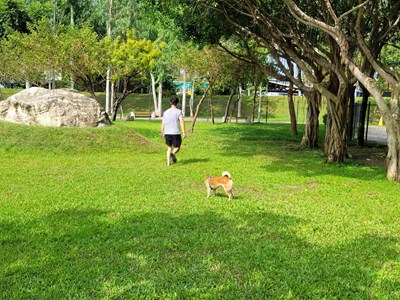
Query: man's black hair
[{"x": 174, "y": 101}]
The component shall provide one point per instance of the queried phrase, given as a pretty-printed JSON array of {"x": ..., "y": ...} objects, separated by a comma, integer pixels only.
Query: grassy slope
[{"x": 95, "y": 214}]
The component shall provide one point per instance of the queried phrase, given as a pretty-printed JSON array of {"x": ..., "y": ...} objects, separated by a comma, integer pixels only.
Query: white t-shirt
[{"x": 171, "y": 121}]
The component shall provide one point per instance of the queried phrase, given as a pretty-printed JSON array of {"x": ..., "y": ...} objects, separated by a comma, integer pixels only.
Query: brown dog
[{"x": 213, "y": 182}]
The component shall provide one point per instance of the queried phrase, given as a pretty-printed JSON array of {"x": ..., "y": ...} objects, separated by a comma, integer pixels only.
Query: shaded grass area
[{"x": 95, "y": 214}]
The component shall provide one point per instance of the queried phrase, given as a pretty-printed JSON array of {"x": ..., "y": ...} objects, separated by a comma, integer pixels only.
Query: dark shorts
[{"x": 174, "y": 140}]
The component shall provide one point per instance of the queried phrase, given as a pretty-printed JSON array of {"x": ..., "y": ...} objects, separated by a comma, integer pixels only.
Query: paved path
[{"x": 377, "y": 134}]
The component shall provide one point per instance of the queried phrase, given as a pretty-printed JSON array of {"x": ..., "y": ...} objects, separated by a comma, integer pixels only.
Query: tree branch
[
  {"x": 352, "y": 10},
  {"x": 364, "y": 48},
  {"x": 331, "y": 11},
  {"x": 305, "y": 19}
]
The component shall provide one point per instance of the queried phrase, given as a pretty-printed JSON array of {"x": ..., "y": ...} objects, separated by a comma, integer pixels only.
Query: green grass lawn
[{"x": 94, "y": 213}]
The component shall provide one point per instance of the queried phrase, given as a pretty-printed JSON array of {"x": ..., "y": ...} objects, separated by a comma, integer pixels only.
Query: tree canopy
[{"x": 333, "y": 44}]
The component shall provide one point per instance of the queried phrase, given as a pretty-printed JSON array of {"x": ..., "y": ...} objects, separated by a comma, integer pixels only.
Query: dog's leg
[
  {"x": 229, "y": 193},
  {"x": 208, "y": 190}
]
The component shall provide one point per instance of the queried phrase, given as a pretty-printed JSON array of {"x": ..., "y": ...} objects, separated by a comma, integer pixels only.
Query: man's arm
[
  {"x": 162, "y": 128},
  {"x": 183, "y": 129}
]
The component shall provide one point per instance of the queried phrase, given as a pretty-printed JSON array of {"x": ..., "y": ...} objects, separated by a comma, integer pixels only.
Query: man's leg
[
  {"x": 169, "y": 151},
  {"x": 173, "y": 157},
  {"x": 177, "y": 146},
  {"x": 176, "y": 150}
]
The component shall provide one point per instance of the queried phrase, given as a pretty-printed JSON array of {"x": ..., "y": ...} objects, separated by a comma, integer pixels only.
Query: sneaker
[{"x": 173, "y": 157}]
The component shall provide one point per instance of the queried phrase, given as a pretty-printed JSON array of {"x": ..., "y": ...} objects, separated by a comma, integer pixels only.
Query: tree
[
  {"x": 130, "y": 60},
  {"x": 240, "y": 69},
  {"x": 261, "y": 66},
  {"x": 13, "y": 17},
  {"x": 251, "y": 21},
  {"x": 186, "y": 59},
  {"x": 83, "y": 57},
  {"x": 164, "y": 70},
  {"x": 31, "y": 57},
  {"x": 208, "y": 64},
  {"x": 158, "y": 27},
  {"x": 289, "y": 39},
  {"x": 391, "y": 76},
  {"x": 122, "y": 16},
  {"x": 67, "y": 52}
]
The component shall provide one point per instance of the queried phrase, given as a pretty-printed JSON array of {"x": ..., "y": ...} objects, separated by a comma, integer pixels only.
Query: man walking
[{"x": 171, "y": 121}]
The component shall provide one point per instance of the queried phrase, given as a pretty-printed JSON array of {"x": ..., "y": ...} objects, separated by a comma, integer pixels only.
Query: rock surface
[{"x": 60, "y": 107}]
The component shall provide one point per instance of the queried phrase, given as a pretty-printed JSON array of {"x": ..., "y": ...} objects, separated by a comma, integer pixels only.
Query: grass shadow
[
  {"x": 285, "y": 154},
  {"x": 90, "y": 253},
  {"x": 193, "y": 161}
]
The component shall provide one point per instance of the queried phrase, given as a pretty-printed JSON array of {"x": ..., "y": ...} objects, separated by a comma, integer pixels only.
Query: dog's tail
[{"x": 227, "y": 174}]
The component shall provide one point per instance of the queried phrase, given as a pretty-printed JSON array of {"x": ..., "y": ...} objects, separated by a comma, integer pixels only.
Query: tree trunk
[
  {"x": 50, "y": 80},
  {"x": 198, "y": 109},
  {"x": 191, "y": 101},
  {"x": 293, "y": 121},
  {"x": 350, "y": 119},
  {"x": 160, "y": 96},
  {"x": 259, "y": 105},
  {"x": 72, "y": 22},
  {"x": 254, "y": 102},
  {"x": 153, "y": 90},
  {"x": 184, "y": 93},
  {"x": 212, "y": 107},
  {"x": 112, "y": 96},
  {"x": 391, "y": 117},
  {"x": 228, "y": 104},
  {"x": 233, "y": 109},
  {"x": 393, "y": 155},
  {"x": 393, "y": 132},
  {"x": 72, "y": 12},
  {"x": 108, "y": 75},
  {"x": 362, "y": 116},
  {"x": 117, "y": 105},
  {"x": 115, "y": 110},
  {"x": 336, "y": 133},
  {"x": 310, "y": 135},
  {"x": 239, "y": 102},
  {"x": 90, "y": 89},
  {"x": 119, "y": 100},
  {"x": 108, "y": 90},
  {"x": 336, "y": 126}
]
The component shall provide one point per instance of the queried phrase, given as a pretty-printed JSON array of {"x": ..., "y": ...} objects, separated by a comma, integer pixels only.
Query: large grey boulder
[{"x": 60, "y": 107}]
